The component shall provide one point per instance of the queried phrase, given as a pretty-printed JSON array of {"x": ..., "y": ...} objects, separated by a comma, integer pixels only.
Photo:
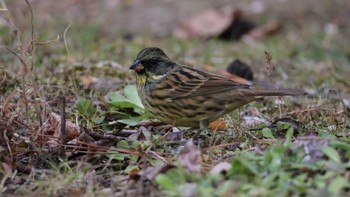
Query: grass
[{"x": 264, "y": 159}]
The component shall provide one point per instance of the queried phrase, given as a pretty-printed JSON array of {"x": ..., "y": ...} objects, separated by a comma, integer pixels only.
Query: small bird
[{"x": 184, "y": 96}]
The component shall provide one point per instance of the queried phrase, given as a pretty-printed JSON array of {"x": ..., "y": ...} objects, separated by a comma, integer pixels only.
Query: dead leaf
[
  {"x": 221, "y": 167},
  {"x": 86, "y": 81},
  {"x": 253, "y": 120},
  {"x": 142, "y": 134},
  {"x": 5, "y": 124},
  {"x": 6, "y": 157},
  {"x": 262, "y": 31},
  {"x": 72, "y": 130},
  {"x": 54, "y": 123},
  {"x": 253, "y": 117},
  {"x": 218, "y": 124},
  {"x": 151, "y": 172},
  {"x": 190, "y": 157},
  {"x": 175, "y": 135},
  {"x": 205, "y": 24},
  {"x": 134, "y": 174},
  {"x": 312, "y": 147}
]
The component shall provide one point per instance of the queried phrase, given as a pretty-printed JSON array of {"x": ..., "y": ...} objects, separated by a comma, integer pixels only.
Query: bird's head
[{"x": 152, "y": 62}]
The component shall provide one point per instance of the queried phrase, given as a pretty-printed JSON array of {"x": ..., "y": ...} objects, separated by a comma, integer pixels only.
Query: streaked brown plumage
[{"x": 186, "y": 96}]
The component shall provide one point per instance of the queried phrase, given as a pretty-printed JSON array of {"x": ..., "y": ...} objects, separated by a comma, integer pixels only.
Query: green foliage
[
  {"x": 178, "y": 182},
  {"x": 85, "y": 107},
  {"x": 128, "y": 99},
  {"x": 282, "y": 170},
  {"x": 89, "y": 112},
  {"x": 267, "y": 133}
]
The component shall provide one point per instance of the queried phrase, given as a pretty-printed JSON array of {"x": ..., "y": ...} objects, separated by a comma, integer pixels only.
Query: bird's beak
[{"x": 137, "y": 66}]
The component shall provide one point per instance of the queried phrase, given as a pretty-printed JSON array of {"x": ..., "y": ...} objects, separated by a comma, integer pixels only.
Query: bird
[{"x": 184, "y": 96}]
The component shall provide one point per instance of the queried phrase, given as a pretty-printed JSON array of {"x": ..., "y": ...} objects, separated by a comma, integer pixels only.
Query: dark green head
[{"x": 152, "y": 60}]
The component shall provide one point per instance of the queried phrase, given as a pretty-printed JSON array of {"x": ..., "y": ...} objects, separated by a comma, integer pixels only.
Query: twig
[
  {"x": 98, "y": 136},
  {"x": 220, "y": 146},
  {"x": 32, "y": 43},
  {"x": 63, "y": 125},
  {"x": 270, "y": 68}
]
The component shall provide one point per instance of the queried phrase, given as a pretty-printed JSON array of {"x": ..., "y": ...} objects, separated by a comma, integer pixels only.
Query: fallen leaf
[
  {"x": 134, "y": 173},
  {"x": 205, "y": 24},
  {"x": 190, "y": 157},
  {"x": 253, "y": 117},
  {"x": 151, "y": 172},
  {"x": 53, "y": 127},
  {"x": 221, "y": 167},
  {"x": 86, "y": 81},
  {"x": 218, "y": 124},
  {"x": 262, "y": 31},
  {"x": 142, "y": 134},
  {"x": 312, "y": 146},
  {"x": 253, "y": 120}
]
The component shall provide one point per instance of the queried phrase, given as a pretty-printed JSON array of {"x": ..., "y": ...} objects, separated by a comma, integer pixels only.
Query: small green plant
[
  {"x": 178, "y": 182},
  {"x": 126, "y": 102},
  {"x": 89, "y": 112},
  {"x": 126, "y": 106}
]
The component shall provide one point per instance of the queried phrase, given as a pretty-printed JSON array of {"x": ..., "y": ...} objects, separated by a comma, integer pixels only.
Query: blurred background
[
  {"x": 305, "y": 38},
  {"x": 159, "y": 17}
]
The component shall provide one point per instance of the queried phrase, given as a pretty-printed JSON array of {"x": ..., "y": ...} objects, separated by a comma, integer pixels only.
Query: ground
[{"x": 290, "y": 146}]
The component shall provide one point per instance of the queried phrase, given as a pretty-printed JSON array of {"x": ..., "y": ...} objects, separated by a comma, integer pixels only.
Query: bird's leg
[{"x": 203, "y": 125}]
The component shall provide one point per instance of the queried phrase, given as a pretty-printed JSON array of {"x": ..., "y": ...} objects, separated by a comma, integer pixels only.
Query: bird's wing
[{"x": 185, "y": 82}]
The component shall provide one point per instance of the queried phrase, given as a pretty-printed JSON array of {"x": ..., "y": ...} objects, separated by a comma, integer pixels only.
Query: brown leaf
[
  {"x": 151, "y": 172},
  {"x": 7, "y": 130},
  {"x": 190, "y": 157},
  {"x": 205, "y": 24},
  {"x": 262, "y": 31},
  {"x": 142, "y": 134},
  {"x": 86, "y": 81},
  {"x": 53, "y": 127},
  {"x": 133, "y": 174},
  {"x": 253, "y": 117},
  {"x": 218, "y": 124},
  {"x": 5, "y": 124},
  {"x": 175, "y": 135},
  {"x": 7, "y": 169},
  {"x": 312, "y": 146},
  {"x": 221, "y": 167}
]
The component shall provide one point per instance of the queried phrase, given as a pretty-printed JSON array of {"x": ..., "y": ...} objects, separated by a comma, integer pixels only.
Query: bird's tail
[{"x": 271, "y": 92}]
